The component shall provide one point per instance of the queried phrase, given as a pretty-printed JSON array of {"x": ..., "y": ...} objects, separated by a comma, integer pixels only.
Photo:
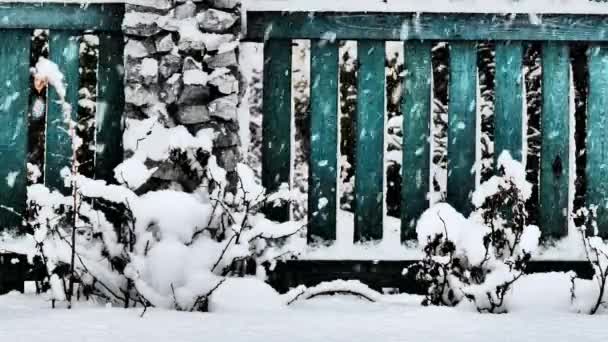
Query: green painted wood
[
  {"x": 276, "y": 131},
  {"x": 597, "y": 137},
  {"x": 323, "y": 167},
  {"x": 98, "y": 17},
  {"x": 416, "y": 130},
  {"x": 509, "y": 106},
  {"x": 369, "y": 161},
  {"x": 110, "y": 106},
  {"x": 426, "y": 26},
  {"x": 555, "y": 139},
  {"x": 63, "y": 50},
  {"x": 462, "y": 113},
  {"x": 14, "y": 90}
]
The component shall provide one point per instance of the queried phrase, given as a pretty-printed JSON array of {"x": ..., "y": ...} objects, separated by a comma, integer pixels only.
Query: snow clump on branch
[{"x": 479, "y": 257}]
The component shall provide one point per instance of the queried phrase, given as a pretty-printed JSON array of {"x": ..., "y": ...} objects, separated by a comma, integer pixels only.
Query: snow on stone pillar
[{"x": 182, "y": 66}]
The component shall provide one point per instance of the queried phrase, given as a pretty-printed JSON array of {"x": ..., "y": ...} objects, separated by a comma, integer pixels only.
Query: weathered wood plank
[
  {"x": 380, "y": 274},
  {"x": 322, "y": 200},
  {"x": 63, "y": 50},
  {"x": 462, "y": 113},
  {"x": 509, "y": 106},
  {"x": 416, "y": 130},
  {"x": 597, "y": 135},
  {"x": 369, "y": 160},
  {"x": 555, "y": 139},
  {"x": 433, "y": 26},
  {"x": 110, "y": 106},
  {"x": 276, "y": 131},
  {"x": 14, "y": 87},
  {"x": 98, "y": 17}
]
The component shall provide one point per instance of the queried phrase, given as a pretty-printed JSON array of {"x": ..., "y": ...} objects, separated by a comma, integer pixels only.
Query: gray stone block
[{"x": 188, "y": 115}]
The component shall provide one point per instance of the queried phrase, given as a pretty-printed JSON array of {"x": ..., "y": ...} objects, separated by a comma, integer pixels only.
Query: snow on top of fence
[
  {"x": 85, "y": 2},
  {"x": 431, "y": 6},
  {"x": 69, "y": 1},
  {"x": 435, "y": 6}
]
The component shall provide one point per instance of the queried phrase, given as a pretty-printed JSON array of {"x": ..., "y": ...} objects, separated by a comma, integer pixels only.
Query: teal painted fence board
[
  {"x": 14, "y": 90},
  {"x": 63, "y": 50},
  {"x": 369, "y": 161},
  {"x": 462, "y": 113},
  {"x": 508, "y": 112},
  {"x": 98, "y": 17},
  {"x": 323, "y": 165},
  {"x": 597, "y": 135},
  {"x": 110, "y": 105},
  {"x": 425, "y": 26},
  {"x": 555, "y": 139},
  {"x": 276, "y": 131},
  {"x": 416, "y": 130}
]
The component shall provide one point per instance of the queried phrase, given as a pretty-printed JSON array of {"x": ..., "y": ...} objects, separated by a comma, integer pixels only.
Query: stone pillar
[{"x": 182, "y": 65}]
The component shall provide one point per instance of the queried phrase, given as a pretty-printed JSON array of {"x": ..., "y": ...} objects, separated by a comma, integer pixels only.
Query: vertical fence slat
[
  {"x": 462, "y": 113},
  {"x": 369, "y": 160},
  {"x": 63, "y": 50},
  {"x": 508, "y": 111},
  {"x": 14, "y": 87},
  {"x": 110, "y": 106},
  {"x": 555, "y": 139},
  {"x": 276, "y": 131},
  {"x": 323, "y": 141},
  {"x": 597, "y": 135},
  {"x": 416, "y": 129}
]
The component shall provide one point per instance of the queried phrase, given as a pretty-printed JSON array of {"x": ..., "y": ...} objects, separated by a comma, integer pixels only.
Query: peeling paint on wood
[
  {"x": 322, "y": 200},
  {"x": 276, "y": 131},
  {"x": 555, "y": 139},
  {"x": 14, "y": 82},
  {"x": 597, "y": 135},
  {"x": 462, "y": 114},
  {"x": 416, "y": 131},
  {"x": 369, "y": 161}
]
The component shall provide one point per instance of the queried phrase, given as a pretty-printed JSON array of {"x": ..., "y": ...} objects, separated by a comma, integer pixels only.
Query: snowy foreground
[{"x": 540, "y": 312}]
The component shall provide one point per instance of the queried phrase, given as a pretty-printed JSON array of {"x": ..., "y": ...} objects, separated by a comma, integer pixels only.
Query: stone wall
[{"x": 181, "y": 65}]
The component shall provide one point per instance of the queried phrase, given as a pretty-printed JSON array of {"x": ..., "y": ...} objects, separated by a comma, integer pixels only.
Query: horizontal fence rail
[
  {"x": 94, "y": 17},
  {"x": 67, "y": 24},
  {"x": 425, "y": 26},
  {"x": 417, "y": 32}
]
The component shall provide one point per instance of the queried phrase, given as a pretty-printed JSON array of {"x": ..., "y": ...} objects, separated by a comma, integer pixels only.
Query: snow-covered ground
[{"x": 539, "y": 314}]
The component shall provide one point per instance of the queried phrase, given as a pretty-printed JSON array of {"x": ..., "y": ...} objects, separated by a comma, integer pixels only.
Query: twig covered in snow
[
  {"x": 126, "y": 260},
  {"x": 341, "y": 287},
  {"x": 596, "y": 253},
  {"x": 467, "y": 259},
  {"x": 47, "y": 72}
]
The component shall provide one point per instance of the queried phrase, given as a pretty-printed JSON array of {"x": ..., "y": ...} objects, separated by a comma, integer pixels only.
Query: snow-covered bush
[
  {"x": 169, "y": 247},
  {"x": 501, "y": 203},
  {"x": 590, "y": 295},
  {"x": 127, "y": 246},
  {"x": 480, "y": 257},
  {"x": 133, "y": 259}
]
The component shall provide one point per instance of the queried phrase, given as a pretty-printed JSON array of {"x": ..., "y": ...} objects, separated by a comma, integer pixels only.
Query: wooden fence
[
  {"x": 371, "y": 30},
  {"x": 66, "y": 25},
  {"x": 418, "y": 32}
]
